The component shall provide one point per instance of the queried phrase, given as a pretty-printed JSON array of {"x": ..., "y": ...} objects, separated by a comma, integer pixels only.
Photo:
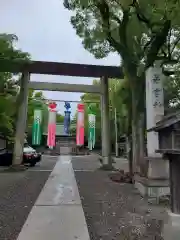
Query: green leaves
[
  {"x": 9, "y": 85},
  {"x": 88, "y": 26},
  {"x": 8, "y": 49},
  {"x": 59, "y": 118},
  {"x": 133, "y": 29}
]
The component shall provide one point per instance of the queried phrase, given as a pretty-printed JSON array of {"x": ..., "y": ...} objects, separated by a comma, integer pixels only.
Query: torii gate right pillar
[{"x": 105, "y": 128}]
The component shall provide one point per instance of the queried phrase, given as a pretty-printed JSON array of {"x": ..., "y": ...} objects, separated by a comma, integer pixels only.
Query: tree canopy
[
  {"x": 9, "y": 85},
  {"x": 141, "y": 32},
  {"x": 135, "y": 29}
]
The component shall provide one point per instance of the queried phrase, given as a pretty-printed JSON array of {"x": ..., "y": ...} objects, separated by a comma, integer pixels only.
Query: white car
[
  {"x": 30, "y": 155},
  {"x": 28, "y": 149}
]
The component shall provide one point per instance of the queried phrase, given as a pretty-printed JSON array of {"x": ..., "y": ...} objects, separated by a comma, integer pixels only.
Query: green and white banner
[
  {"x": 92, "y": 127},
  {"x": 36, "y": 128}
]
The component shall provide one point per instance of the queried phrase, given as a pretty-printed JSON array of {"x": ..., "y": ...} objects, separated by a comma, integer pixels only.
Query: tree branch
[
  {"x": 176, "y": 42},
  {"x": 141, "y": 17},
  {"x": 105, "y": 15},
  {"x": 123, "y": 27},
  {"x": 169, "y": 43},
  {"x": 114, "y": 17},
  {"x": 157, "y": 43},
  {"x": 164, "y": 52}
]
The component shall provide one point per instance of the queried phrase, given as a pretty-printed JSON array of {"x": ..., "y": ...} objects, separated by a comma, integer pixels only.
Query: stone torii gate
[{"x": 63, "y": 69}]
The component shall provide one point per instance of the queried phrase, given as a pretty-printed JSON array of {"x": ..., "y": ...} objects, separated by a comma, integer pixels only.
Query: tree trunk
[
  {"x": 137, "y": 104},
  {"x": 135, "y": 131},
  {"x": 142, "y": 145},
  {"x": 130, "y": 147}
]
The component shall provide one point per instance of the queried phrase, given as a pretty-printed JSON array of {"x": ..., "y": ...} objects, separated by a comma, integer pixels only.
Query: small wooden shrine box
[{"x": 169, "y": 145}]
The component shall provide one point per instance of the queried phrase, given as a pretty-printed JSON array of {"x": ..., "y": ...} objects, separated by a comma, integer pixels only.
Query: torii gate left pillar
[{"x": 21, "y": 120}]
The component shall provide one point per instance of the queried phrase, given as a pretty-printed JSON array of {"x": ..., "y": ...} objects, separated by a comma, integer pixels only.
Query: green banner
[
  {"x": 92, "y": 122},
  {"x": 36, "y": 128}
]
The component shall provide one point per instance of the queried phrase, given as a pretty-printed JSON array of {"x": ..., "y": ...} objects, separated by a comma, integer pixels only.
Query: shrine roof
[{"x": 166, "y": 122}]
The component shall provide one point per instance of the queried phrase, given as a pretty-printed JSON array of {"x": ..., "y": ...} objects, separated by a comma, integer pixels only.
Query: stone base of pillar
[
  {"x": 106, "y": 160},
  {"x": 153, "y": 180},
  {"x": 171, "y": 229},
  {"x": 152, "y": 189},
  {"x": 158, "y": 168},
  {"x": 105, "y": 163}
]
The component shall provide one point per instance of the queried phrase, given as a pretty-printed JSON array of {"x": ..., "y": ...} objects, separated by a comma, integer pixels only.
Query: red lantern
[
  {"x": 52, "y": 105},
  {"x": 80, "y": 107}
]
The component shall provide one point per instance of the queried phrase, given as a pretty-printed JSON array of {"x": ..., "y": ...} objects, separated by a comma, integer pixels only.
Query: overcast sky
[{"x": 44, "y": 30}]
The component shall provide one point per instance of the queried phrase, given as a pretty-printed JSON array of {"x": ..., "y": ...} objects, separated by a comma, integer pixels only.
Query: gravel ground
[
  {"x": 86, "y": 163},
  {"x": 18, "y": 193},
  {"x": 116, "y": 211}
]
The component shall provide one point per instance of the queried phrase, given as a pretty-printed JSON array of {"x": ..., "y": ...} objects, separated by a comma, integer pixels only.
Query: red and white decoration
[
  {"x": 51, "y": 139},
  {"x": 80, "y": 125}
]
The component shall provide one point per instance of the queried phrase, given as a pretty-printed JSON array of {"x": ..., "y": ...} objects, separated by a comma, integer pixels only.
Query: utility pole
[
  {"x": 115, "y": 125},
  {"x": 116, "y": 132}
]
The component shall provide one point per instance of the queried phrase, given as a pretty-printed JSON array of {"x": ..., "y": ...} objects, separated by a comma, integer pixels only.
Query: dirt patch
[{"x": 121, "y": 177}]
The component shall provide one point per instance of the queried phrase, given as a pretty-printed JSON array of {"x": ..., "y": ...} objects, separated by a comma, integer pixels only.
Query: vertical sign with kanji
[
  {"x": 158, "y": 96},
  {"x": 154, "y": 95},
  {"x": 36, "y": 128},
  {"x": 154, "y": 104}
]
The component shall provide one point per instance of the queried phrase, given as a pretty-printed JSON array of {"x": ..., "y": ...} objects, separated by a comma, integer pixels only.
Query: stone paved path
[{"x": 57, "y": 213}]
